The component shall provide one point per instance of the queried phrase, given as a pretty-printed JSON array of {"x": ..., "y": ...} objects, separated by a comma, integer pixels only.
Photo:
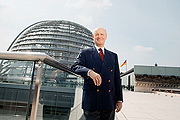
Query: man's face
[{"x": 99, "y": 37}]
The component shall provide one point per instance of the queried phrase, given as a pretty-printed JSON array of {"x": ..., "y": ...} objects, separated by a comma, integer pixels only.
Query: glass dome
[{"x": 59, "y": 39}]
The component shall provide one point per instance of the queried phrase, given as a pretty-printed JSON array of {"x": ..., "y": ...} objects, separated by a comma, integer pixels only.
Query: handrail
[
  {"x": 41, "y": 58},
  {"x": 127, "y": 72},
  {"x": 35, "y": 56}
]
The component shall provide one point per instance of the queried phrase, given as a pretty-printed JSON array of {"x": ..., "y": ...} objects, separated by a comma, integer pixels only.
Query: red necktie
[{"x": 101, "y": 54}]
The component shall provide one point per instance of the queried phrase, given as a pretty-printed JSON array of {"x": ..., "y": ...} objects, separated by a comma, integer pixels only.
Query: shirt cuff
[{"x": 88, "y": 72}]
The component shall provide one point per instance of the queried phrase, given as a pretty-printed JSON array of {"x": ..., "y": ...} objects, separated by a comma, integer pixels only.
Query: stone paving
[{"x": 149, "y": 106}]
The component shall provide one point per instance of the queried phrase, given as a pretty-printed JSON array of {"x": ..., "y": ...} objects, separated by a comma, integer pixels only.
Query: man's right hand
[{"x": 96, "y": 77}]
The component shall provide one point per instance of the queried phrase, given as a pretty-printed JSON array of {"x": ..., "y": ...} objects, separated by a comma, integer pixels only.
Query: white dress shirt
[{"x": 97, "y": 48}]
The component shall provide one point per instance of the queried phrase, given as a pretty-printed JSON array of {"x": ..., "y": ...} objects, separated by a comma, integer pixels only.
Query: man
[{"x": 102, "y": 92}]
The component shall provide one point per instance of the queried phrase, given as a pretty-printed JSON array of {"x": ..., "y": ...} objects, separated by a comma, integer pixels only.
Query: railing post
[
  {"x": 36, "y": 91},
  {"x": 30, "y": 93}
]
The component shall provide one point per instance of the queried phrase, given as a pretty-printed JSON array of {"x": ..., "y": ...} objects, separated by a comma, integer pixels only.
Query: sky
[{"x": 143, "y": 32}]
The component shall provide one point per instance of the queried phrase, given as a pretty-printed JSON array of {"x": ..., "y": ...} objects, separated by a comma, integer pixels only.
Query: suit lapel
[{"x": 96, "y": 56}]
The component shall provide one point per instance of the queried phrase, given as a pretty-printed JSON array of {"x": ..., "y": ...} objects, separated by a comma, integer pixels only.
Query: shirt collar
[{"x": 98, "y": 48}]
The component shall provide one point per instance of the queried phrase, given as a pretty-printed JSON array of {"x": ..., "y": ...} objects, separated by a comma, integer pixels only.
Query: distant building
[
  {"x": 59, "y": 39},
  {"x": 146, "y": 78}
]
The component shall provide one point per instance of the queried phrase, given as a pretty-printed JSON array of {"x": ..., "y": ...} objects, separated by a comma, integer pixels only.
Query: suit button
[
  {"x": 109, "y": 80},
  {"x": 111, "y": 70},
  {"x": 97, "y": 90},
  {"x": 93, "y": 68},
  {"x": 109, "y": 91}
]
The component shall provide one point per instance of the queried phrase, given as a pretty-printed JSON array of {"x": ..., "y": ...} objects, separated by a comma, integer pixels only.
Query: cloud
[
  {"x": 85, "y": 19},
  {"x": 143, "y": 55},
  {"x": 98, "y": 4},
  {"x": 140, "y": 48},
  {"x": 88, "y": 12}
]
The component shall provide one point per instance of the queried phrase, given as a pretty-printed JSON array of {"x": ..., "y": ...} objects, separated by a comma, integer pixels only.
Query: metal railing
[{"x": 40, "y": 59}]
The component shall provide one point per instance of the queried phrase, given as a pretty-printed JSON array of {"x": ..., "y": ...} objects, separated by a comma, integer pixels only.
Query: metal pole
[
  {"x": 126, "y": 65},
  {"x": 129, "y": 82},
  {"x": 36, "y": 91},
  {"x": 30, "y": 94}
]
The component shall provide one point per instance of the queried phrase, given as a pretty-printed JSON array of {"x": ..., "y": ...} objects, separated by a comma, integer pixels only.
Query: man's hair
[{"x": 94, "y": 31}]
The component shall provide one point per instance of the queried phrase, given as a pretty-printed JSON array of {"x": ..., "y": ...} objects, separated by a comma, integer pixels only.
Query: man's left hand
[{"x": 118, "y": 106}]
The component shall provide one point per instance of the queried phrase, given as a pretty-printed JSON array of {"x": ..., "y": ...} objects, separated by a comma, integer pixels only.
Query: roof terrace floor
[{"x": 149, "y": 106}]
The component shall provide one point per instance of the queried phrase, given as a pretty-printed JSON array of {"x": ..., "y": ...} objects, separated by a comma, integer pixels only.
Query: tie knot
[{"x": 100, "y": 49}]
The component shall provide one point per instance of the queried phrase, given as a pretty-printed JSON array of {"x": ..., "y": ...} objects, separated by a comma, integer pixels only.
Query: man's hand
[
  {"x": 118, "y": 106},
  {"x": 96, "y": 78}
]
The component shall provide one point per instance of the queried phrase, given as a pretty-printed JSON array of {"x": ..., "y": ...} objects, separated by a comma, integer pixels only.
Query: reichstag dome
[{"x": 59, "y": 39}]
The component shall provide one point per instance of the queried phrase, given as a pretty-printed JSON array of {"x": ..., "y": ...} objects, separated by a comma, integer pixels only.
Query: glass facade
[
  {"x": 157, "y": 70},
  {"x": 61, "y": 40},
  {"x": 14, "y": 89},
  {"x": 55, "y": 100}
]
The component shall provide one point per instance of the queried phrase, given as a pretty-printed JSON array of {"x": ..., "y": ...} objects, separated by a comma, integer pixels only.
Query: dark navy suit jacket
[{"x": 105, "y": 96}]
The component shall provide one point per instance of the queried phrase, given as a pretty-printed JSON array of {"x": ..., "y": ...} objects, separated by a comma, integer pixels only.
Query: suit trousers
[{"x": 99, "y": 115}]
